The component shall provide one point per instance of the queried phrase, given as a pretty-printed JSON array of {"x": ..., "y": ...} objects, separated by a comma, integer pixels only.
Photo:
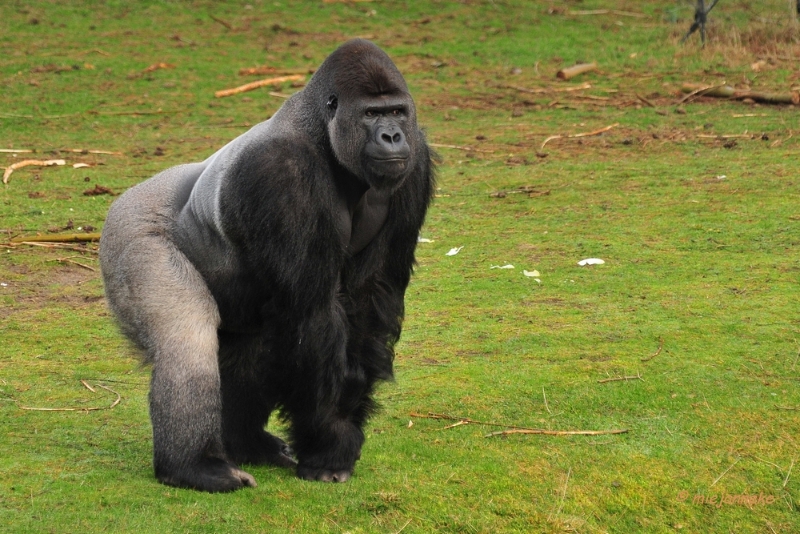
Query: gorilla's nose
[
  {"x": 387, "y": 138},
  {"x": 392, "y": 142}
]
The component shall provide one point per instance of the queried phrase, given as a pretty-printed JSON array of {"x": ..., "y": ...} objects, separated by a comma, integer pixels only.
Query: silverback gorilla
[{"x": 271, "y": 276}]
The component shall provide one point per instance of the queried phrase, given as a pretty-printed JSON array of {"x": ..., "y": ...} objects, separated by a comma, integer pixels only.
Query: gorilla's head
[{"x": 371, "y": 119}]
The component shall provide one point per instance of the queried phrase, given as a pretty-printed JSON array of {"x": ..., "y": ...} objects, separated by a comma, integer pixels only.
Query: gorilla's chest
[{"x": 360, "y": 218}]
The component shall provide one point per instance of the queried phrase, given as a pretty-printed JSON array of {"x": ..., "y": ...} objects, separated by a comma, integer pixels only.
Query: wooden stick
[
  {"x": 556, "y": 432},
  {"x": 259, "y": 83},
  {"x": 724, "y": 472},
  {"x": 551, "y": 89},
  {"x": 644, "y": 100},
  {"x": 619, "y": 378},
  {"x": 90, "y": 409},
  {"x": 261, "y": 71},
  {"x": 60, "y": 246},
  {"x": 68, "y": 260},
  {"x": 656, "y": 353},
  {"x": 585, "y": 134},
  {"x": 226, "y": 24},
  {"x": 606, "y": 12},
  {"x": 25, "y": 163},
  {"x": 576, "y": 70},
  {"x": 769, "y": 98},
  {"x": 786, "y": 480},
  {"x": 513, "y": 429},
  {"x": 722, "y": 91},
  {"x": 14, "y": 151},
  {"x": 457, "y": 147},
  {"x": 57, "y": 238}
]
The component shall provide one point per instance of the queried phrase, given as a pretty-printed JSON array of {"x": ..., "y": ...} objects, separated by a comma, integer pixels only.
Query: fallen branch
[
  {"x": 25, "y": 163},
  {"x": 220, "y": 21},
  {"x": 60, "y": 246},
  {"x": 607, "y": 12},
  {"x": 14, "y": 150},
  {"x": 513, "y": 429},
  {"x": 769, "y": 98},
  {"x": 85, "y": 151},
  {"x": 585, "y": 134},
  {"x": 259, "y": 83},
  {"x": 550, "y": 89},
  {"x": 69, "y": 260},
  {"x": 457, "y": 147},
  {"x": 726, "y": 91},
  {"x": 556, "y": 432},
  {"x": 618, "y": 378},
  {"x": 576, "y": 70},
  {"x": 152, "y": 68},
  {"x": 656, "y": 353},
  {"x": 261, "y": 71},
  {"x": 57, "y": 238},
  {"x": 645, "y": 101},
  {"x": 89, "y": 409},
  {"x": 156, "y": 112}
]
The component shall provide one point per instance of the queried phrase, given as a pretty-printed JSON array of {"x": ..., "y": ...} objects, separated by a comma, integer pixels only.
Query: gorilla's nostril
[
  {"x": 396, "y": 138},
  {"x": 387, "y": 138}
]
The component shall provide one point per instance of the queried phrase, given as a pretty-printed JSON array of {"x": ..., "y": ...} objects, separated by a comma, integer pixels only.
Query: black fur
[{"x": 271, "y": 277}]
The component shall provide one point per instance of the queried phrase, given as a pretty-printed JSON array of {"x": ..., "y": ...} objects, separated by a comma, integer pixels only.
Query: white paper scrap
[
  {"x": 506, "y": 266},
  {"x": 591, "y": 261},
  {"x": 454, "y": 251},
  {"x": 532, "y": 274}
]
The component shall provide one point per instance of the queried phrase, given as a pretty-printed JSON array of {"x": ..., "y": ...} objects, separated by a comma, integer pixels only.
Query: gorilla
[{"x": 271, "y": 277}]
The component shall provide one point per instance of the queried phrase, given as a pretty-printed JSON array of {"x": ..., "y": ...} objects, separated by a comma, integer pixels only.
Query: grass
[{"x": 699, "y": 233}]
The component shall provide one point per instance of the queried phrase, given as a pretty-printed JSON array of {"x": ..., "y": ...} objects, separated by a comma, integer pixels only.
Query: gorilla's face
[{"x": 373, "y": 137}]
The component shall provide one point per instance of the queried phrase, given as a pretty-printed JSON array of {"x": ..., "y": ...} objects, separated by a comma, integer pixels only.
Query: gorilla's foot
[
  {"x": 263, "y": 448},
  {"x": 210, "y": 474},
  {"x": 324, "y": 475}
]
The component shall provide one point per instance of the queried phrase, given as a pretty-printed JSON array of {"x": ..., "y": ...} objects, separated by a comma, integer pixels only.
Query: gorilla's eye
[
  {"x": 395, "y": 112},
  {"x": 333, "y": 103},
  {"x": 370, "y": 113}
]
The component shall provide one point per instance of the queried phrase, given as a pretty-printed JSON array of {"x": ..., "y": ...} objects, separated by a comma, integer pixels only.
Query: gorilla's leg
[
  {"x": 164, "y": 305},
  {"x": 247, "y": 402},
  {"x": 185, "y": 403}
]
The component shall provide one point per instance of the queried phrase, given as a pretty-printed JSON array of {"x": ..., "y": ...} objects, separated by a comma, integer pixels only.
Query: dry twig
[
  {"x": 260, "y": 83},
  {"x": 725, "y": 472},
  {"x": 69, "y": 260},
  {"x": 550, "y": 89},
  {"x": 513, "y": 429},
  {"x": 585, "y": 134},
  {"x": 619, "y": 378},
  {"x": 57, "y": 238},
  {"x": 656, "y": 353},
  {"x": 457, "y": 147},
  {"x": 60, "y": 246},
  {"x": 220, "y": 21},
  {"x": 545, "y": 402},
  {"x": 556, "y": 432},
  {"x": 25, "y": 163},
  {"x": 786, "y": 480},
  {"x": 89, "y": 409}
]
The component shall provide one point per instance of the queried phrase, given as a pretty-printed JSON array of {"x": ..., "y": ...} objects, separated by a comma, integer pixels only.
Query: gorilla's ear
[{"x": 333, "y": 102}]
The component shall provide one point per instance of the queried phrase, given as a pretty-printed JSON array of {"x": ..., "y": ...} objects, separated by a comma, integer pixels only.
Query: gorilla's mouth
[{"x": 391, "y": 160}]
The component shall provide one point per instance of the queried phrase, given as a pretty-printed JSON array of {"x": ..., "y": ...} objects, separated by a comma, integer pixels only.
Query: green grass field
[{"x": 693, "y": 205}]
